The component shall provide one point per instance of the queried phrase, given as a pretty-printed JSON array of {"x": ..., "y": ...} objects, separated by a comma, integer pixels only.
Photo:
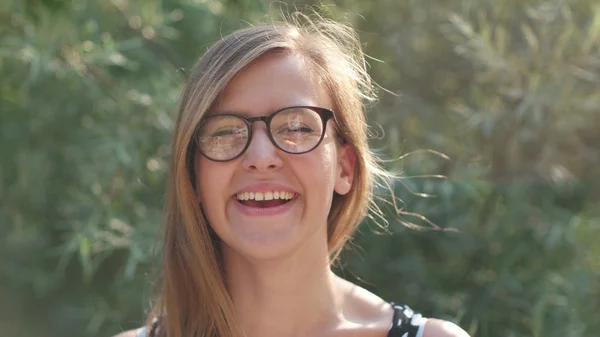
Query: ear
[{"x": 345, "y": 169}]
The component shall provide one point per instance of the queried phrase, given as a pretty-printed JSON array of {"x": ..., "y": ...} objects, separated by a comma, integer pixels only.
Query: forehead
[{"x": 272, "y": 82}]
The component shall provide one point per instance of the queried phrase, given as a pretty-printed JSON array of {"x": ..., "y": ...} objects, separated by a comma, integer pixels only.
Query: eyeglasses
[{"x": 294, "y": 130}]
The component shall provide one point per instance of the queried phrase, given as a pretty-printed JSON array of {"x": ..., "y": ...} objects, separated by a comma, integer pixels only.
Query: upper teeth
[{"x": 258, "y": 196}]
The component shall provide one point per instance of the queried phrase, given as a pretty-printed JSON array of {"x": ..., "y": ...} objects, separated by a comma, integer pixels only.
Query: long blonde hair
[{"x": 193, "y": 291}]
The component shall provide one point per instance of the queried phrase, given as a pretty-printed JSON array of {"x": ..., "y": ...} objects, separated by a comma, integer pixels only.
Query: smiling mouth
[{"x": 264, "y": 199}]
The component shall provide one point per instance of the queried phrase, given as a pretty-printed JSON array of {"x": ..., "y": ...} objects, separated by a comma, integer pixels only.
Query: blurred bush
[{"x": 507, "y": 90}]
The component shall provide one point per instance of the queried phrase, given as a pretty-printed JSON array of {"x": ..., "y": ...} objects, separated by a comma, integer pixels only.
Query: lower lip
[{"x": 258, "y": 211}]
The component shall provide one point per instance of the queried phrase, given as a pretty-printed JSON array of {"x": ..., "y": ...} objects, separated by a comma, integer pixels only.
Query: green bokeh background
[{"x": 508, "y": 90}]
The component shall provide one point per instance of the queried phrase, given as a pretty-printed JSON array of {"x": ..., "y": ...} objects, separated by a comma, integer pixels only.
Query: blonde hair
[{"x": 193, "y": 290}]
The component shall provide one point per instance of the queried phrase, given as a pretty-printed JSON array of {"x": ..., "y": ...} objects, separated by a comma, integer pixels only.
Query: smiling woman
[{"x": 271, "y": 174}]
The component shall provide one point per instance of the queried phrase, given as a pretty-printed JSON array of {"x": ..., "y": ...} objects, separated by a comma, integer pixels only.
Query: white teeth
[{"x": 259, "y": 196}]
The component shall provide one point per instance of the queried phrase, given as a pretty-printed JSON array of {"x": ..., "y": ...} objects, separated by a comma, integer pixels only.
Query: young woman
[{"x": 271, "y": 174}]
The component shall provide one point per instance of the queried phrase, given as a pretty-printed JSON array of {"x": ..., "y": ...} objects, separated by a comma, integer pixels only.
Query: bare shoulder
[
  {"x": 439, "y": 328},
  {"x": 364, "y": 305},
  {"x": 129, "y": 333}
]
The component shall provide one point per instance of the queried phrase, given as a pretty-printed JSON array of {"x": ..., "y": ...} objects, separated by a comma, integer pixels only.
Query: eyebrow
[
  {"x": 246, "y": 114},
  {"x": 228, "y": 112}
]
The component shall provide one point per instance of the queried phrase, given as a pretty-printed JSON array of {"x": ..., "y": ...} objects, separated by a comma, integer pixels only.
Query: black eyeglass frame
[{"x": 324, "y": 113}]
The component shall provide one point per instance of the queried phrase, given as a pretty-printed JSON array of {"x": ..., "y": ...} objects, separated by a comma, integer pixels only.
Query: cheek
[
  {"x": 211, "y": 180},
  {"x": 329, "y": 160},
  {"x": 322, "y": 170}
]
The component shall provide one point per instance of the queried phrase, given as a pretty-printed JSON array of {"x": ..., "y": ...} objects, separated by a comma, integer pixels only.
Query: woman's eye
[
  {"x": 304, "y": 129},
  {"x": 222, "y": 133},
  {"x": 297, "y": 128}
]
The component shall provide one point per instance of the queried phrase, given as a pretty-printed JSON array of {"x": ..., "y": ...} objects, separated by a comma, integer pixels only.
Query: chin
[{"x": 258, "y": 249}]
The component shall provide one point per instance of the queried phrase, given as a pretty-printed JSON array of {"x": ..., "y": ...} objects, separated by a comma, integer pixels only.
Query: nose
[{"x": 261, "y": 155}]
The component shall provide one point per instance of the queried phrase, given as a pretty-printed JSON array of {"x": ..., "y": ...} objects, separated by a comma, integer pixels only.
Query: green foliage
[
  {"x": 510, "y": 92},
  {"x": 507, "y": 89}
]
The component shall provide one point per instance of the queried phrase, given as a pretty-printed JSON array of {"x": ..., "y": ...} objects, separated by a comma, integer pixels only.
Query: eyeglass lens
[{"x": 293, "y": 130}]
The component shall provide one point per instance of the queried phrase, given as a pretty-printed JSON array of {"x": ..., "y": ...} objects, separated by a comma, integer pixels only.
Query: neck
[{"x": 293, "y": 296}]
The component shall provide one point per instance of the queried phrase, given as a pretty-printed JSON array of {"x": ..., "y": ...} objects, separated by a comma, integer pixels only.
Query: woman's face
[{"x": 270, "y": 229}]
